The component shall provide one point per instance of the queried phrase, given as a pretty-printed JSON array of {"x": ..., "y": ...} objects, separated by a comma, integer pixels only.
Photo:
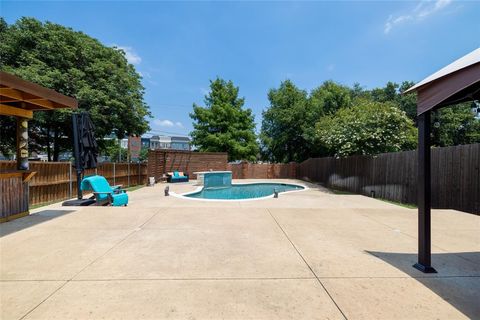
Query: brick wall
[
  {"x": 246, "y": 170},
  {"x": 166, "y": 160}
]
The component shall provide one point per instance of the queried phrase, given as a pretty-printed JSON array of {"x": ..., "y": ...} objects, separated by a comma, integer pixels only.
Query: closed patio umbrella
[{"x": 85, "y": 151}]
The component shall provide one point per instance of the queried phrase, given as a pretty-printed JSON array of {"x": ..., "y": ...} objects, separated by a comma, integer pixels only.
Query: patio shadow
[
  {"x": 459, "y": 290},
  {"x": 31, "y": 220}
]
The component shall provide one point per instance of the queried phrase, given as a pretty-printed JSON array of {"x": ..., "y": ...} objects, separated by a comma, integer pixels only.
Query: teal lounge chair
[{"x": 103, "y": 192}]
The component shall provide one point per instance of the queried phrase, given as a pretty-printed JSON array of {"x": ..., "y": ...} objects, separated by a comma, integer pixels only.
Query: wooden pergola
[
  {"x": 20, "y": 98},
  {"x": 458, "y": 82}
]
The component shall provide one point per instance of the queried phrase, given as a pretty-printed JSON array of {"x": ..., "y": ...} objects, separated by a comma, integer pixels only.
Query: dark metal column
[
  {"x": 424, "y": 195},
  {"x": 76, "y": 155}
]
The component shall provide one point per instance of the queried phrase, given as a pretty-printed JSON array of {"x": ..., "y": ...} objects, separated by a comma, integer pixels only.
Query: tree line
[
  {"x": 330, "y": 120},
  {"x": 77, "y": 65}
]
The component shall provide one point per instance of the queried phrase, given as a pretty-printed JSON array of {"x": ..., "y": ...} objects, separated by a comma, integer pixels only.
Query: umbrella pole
[{"x": 76, "y": 154}]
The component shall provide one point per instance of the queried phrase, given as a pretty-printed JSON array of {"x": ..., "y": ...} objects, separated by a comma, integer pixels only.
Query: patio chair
[
  {"x": 177, "y": 176},
  {"x": 104, "y": 193}
]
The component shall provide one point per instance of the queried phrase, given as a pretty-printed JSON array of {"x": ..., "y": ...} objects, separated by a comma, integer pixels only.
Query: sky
[{"x": 178, "y": 47}]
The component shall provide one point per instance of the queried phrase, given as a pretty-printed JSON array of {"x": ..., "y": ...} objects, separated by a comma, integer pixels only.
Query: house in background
[
  {"x": 180, "y": 143},
  {"x": 145, "y": 143},
  {"x": 170, "y": 142}
]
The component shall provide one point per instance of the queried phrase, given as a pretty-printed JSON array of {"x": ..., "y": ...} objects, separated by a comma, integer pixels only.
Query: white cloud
[
  {"x": 422, "y": 10},
  {"x": 167, "y": 123},
  {"x": 130, "y": 54},
  {"x": 163, "y": 123}
]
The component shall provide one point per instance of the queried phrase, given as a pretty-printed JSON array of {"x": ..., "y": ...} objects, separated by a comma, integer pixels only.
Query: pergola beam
[
  {"x": 14, "y": 94},
  {"x": 41, "y": 102},
  {"x": 6, "y": 110}
]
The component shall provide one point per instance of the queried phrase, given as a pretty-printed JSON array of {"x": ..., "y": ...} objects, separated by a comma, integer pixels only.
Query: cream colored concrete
[
  {"x": 19, "y": 297},
  {"x": 406, "y": 298},
  {"x": 203, "y": 243},
  {"x": 165, "y": 257},
  {"x": 342, "y": 242},
  {"x": 39, "y": 253},
  {"x": 445, "y": 226},
  {"x": 187, "y": 299}
]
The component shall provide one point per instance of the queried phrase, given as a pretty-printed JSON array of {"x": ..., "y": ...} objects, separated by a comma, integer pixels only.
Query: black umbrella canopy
[
  {"x": 85, "y": 145},
  {"x": 88, "y": 144}
]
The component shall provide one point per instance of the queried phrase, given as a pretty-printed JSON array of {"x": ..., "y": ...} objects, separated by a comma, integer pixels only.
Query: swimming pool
[{"x": 242, "y": 191}]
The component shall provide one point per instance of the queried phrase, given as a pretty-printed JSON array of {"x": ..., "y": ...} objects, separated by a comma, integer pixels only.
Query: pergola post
[
  {"x": 424, "y": 195},
  {"x": 22, "y": 143}
]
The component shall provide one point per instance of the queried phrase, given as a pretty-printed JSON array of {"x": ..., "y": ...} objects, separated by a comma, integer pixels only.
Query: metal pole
[
  {"x": 424, "y": 195},
  {"x": 76, "y": 154},
  {"x": 70, "y": 189}
]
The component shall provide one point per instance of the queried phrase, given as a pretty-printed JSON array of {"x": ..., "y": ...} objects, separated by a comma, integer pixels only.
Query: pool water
[{"x": 243, "y": 191}]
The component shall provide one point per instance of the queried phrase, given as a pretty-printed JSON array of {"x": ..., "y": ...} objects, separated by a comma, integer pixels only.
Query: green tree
[
  {"x": 282, "y": 134},
  {"x": 388, "y": 93},
  {"x": 407, "y": 102},
  {"x": 72, "y": 63},
  {"x": 143, "y": 154},
  {"x": 367, "y": 128},
  {"x": 114, "y": 151},
  {"x": 324, "y": 100},
  {"x": 455, "y": 125},
  {"x": 223, "y": 125}
]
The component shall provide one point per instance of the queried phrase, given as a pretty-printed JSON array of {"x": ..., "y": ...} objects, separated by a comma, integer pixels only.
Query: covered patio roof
[
  {"x": 455, "y": 83},
  {"x": 19, "y": 97}
]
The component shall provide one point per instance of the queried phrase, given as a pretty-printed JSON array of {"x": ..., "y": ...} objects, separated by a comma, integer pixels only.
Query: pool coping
[{"x": 198, "y": 189}]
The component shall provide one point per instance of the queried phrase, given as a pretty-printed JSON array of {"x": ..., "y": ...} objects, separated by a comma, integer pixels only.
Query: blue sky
[{"x": 179, "y": 46}]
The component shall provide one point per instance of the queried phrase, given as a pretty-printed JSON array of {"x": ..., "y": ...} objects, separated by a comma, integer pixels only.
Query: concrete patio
[{"x": 305, "y": 255}]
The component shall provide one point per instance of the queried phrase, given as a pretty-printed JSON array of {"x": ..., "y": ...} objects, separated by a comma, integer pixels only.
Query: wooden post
[
  {"x": 424, "y": 195},
  {"x": 22, "y": 143}
]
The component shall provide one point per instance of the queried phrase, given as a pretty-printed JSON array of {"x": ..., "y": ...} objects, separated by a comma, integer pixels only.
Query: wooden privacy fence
[
  {"x": 393, "y": 176},
  {"x": 56, "y": 181},
  {"x": 166, "y": 160}
]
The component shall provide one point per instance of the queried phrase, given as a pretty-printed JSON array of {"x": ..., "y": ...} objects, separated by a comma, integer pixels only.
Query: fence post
[
  {"x": 128, "y": 173},
  {"x": 114, "y": 174},
  {"x": 70, "y": 191},
  {"x": 138, "y": 171}
]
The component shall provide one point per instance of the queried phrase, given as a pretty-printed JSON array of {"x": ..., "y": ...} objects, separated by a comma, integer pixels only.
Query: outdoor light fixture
[{"x": 476, "y": 108}]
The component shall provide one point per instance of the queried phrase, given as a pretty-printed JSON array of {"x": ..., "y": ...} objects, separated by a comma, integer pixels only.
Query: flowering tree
[{"x": 367, "y": 128}]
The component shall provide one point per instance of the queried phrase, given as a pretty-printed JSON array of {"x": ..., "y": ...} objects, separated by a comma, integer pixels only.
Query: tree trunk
[
  {"x": 49, "y": 151},
  {"x": 56, "y": 146}
]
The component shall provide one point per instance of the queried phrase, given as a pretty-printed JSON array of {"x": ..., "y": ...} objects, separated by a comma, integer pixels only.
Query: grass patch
[
  {"x": 39, "y": 205},
  {"x": 134, "y": 187},
  {"x": 405, "y": 205},
  {"x": 340, "y": 191}
]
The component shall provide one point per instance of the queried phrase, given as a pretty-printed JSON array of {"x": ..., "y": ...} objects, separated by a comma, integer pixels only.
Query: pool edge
[{"x": 198, "y": 189}]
